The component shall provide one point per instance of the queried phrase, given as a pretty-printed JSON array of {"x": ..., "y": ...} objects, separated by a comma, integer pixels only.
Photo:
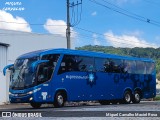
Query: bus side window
[
  {"x": 42, "y": 74},
  {"x": 101, "y": 65},
  {"x": 86, "y": 63},
  {"x": 129, "y": 66},
  {"x": 150, "y": 67},
  {"x": 67, "y": 64},
  {"x": 76, "y": 63},
  {"x": 62, "y": 67},
  {"x": 114, "y": 65},
  {"x": 141, "y": 67},
  {"x": 46, "y": 70}
]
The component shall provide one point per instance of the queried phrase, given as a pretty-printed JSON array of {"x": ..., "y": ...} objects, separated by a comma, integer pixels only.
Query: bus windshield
[{"x": 21, "y": 77}]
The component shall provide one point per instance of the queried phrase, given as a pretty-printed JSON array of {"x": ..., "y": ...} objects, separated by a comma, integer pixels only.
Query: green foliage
[
  {"x": 158, "y": 76},
  {"x": 157, "y": 98},
  {"x": 135, "y": 52}
]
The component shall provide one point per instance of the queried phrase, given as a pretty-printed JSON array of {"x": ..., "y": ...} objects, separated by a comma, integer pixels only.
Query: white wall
[
  {"x": 23, "y": 42},
  {"x": 3, "y": 92}
]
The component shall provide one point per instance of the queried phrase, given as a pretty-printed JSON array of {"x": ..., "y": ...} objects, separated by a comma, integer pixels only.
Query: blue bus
[{"x": 57, "y": 76}]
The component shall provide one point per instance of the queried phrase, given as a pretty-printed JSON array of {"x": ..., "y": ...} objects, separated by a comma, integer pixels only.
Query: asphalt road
[{"x": 144, "y": 110}]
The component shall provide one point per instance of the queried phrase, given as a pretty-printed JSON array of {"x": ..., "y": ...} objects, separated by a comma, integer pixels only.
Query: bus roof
[{"x": 81, "y": 53}]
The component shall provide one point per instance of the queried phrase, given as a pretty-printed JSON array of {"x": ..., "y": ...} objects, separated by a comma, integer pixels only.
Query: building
[{"x": 15, "y": 43}]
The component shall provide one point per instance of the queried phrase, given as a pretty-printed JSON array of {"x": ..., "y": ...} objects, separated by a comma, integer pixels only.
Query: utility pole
[
  {"x": 68, "y": 33},
  {"x": 68, "y": 30}
]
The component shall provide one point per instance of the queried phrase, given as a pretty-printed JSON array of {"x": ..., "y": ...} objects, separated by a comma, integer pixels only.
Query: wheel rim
[
  {"x": 60, "y": 99},
  {"x": 127, "y": 98},
  {"x": 137, "y": 97}
]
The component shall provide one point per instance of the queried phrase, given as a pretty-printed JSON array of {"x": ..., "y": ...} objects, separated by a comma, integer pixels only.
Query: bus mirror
[
  {"x": 7, "y": 67},
  {"x": 35, "y": 64}
]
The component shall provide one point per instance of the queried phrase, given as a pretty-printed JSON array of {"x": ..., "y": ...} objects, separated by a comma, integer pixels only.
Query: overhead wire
[
  {"x": 127, "y": 13},
  {"x": 77, "y": 17},
  {"x": 151, "y": 2}
]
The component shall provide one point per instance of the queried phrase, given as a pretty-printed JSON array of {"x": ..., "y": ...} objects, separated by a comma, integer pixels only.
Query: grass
[{"x": 157, "y": 98}]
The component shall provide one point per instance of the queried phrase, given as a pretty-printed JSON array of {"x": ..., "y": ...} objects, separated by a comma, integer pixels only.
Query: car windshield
[{"x": 21, "y": 77}]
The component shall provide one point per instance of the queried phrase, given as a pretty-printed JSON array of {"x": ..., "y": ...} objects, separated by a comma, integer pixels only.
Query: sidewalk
[{"x": 14, "y": 106}]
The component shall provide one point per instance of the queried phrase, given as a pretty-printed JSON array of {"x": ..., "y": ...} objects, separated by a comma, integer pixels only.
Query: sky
[{"x": 118, "y": 23}]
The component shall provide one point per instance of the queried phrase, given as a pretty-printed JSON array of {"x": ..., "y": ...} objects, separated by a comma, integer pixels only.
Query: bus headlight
[
  {"x": 9, "y": 93},
  {"x": 30, "y": 99},
  {"x": 33, "y": 91},
  {"x": 29, "y": 93}
]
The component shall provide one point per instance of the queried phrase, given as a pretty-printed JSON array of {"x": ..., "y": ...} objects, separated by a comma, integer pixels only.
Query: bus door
[{"x": 44, "y": 75}]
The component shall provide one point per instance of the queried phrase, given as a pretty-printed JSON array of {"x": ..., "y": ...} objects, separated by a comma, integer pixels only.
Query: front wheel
[
  {"x": 59, "y": 100},
  {"x": 36, "y": 105},
  {"x": 136, "y": 97}
]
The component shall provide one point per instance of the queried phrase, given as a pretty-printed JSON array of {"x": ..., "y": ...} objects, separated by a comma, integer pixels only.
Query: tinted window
[
  {"x": 129, "y": 66},
  {"x": 101, "y": 64},
  {"x": 114, "y": 65},
  {"x": 109, "y": 65},
  {"x": 76, "y": 63},
  {"x": 45, "y": 70},
  {"x": 86, "y": 64},
  {"x": 150, "y": 67},
  {"x": 141, "y": 67}
]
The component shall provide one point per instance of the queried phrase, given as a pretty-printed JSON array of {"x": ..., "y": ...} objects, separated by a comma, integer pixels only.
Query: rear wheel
[
  {"x": 36, "y": 105},
  {"x": 127, "y": 97},
  {"x": 59, "y": 100},
  {"x": 136, "y": 97}
]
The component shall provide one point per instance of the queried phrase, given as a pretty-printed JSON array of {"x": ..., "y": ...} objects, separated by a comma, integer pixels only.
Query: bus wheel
[
  {"x": 104, "y": 102},
  {"x": 127, "y": 97},
  {"x": 59, "y": 100},
  {"x": 36, "y": 105},
  {"x": 136, "y": 97}
]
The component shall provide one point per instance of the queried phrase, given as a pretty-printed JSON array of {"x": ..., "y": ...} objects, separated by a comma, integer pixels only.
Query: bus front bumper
[{"x": 21, "y": 99}]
